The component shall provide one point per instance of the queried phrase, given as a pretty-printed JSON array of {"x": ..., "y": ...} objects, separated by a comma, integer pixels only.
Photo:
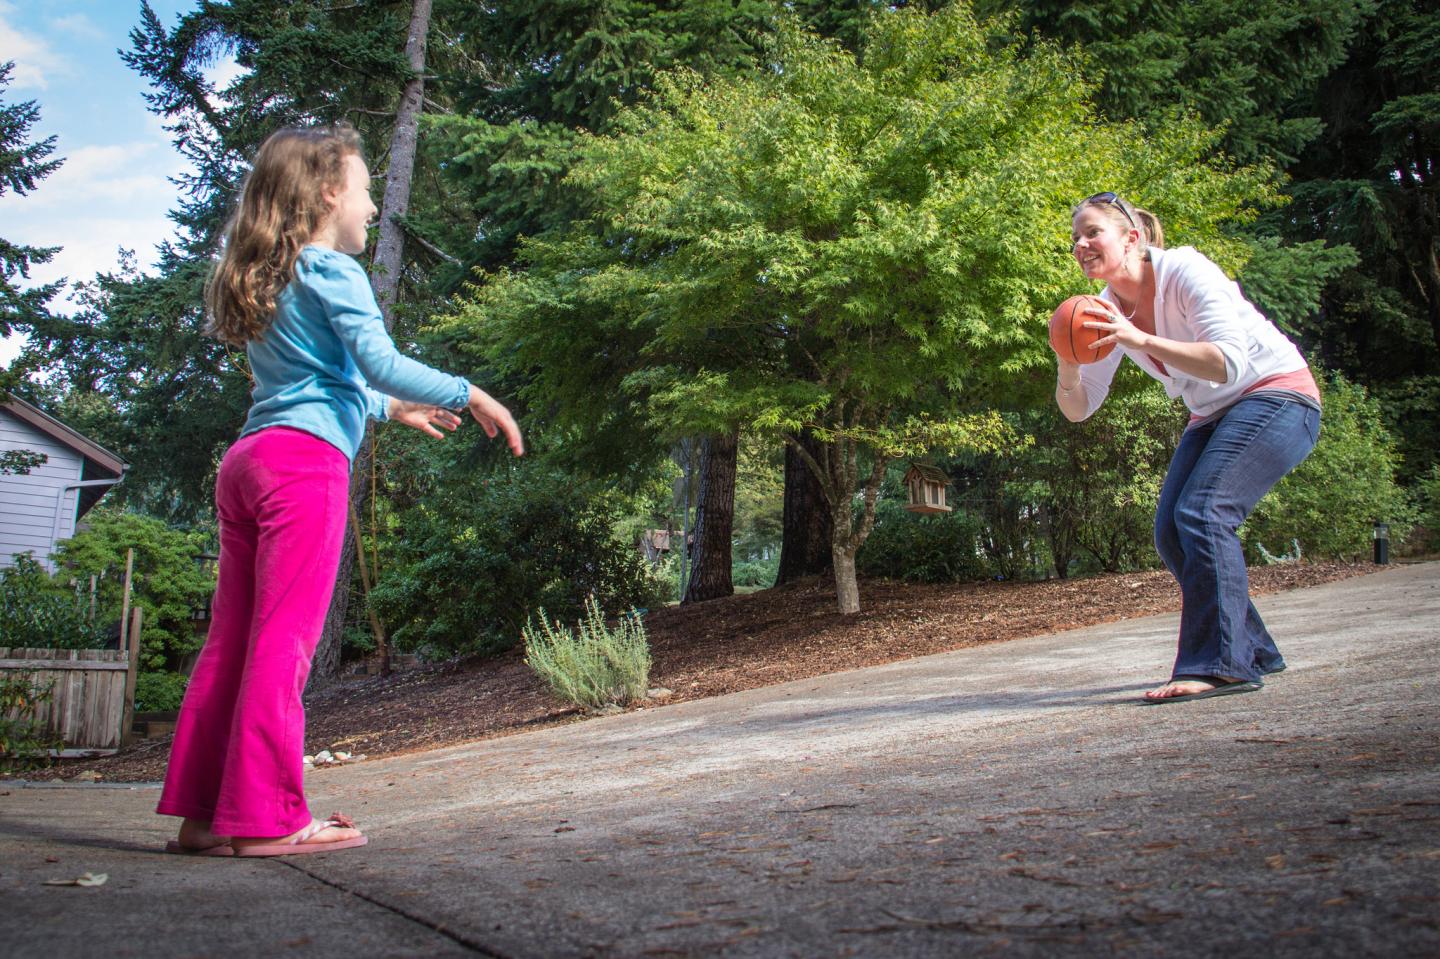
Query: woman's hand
[
  {"x": 495, "y": 419},
  {"x": 1199, "y": 359},
  {"x": 1120, "y": 330},
  {"x": 423, "y": 417}
]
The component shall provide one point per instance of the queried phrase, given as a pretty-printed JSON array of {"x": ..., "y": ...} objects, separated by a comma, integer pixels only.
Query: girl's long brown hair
[{"x": 282, "y": 207}]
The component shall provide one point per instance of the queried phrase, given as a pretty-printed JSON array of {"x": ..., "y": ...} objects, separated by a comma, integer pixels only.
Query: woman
[{"x": 1254, "y": 416}]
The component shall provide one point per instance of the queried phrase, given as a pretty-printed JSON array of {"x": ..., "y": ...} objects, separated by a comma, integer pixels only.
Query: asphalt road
[{"x": 1010, "y": 800}]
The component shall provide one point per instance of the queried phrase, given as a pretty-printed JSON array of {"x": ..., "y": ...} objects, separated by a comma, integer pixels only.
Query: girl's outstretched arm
[
  {"x": 423, "y": 417},
  {"x": 494, "y": 418}
]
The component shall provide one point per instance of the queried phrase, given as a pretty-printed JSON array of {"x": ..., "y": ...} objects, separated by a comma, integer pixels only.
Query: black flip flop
[{"x": 1222, "y": 688}]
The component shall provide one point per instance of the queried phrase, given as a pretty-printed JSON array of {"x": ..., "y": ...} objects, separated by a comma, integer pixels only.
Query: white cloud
[
  {"x": 10, "y": 348},
  {"x": 224, "y": 72},
  {"x": 104, "y": 197},
  {"x": 133, "y": 173},
  {"x": 79, "y": 25},
  {"x": 35, "y": 62}
]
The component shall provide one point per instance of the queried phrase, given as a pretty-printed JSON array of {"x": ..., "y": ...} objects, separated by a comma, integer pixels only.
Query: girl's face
[
  {"x": 351, "y": 210},
  {"x": 1100, "y": 245}
]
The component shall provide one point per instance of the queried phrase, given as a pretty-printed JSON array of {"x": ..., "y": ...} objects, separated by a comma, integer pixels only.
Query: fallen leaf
[{"x": 88, "y": 879}]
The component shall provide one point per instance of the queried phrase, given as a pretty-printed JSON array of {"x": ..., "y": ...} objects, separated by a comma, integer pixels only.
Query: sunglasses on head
[{"x": 1114, "y": 200}]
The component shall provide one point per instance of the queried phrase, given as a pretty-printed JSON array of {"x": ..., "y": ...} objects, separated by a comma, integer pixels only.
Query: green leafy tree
[
  {"x": 20, "y": 462},
  {"x": 170, "y": 578},
  {"x": 862, "y": 247}
]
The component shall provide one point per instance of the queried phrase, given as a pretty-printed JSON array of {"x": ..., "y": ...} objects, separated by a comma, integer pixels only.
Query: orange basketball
[{"x": 1070, "y": 338}]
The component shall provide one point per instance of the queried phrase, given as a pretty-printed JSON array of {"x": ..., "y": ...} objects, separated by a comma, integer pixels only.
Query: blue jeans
[{"x": 1220, "y": 471}]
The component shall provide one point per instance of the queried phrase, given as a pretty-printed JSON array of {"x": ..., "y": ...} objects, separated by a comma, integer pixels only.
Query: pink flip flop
[
  {"x": 221, "y": 849},
  {"x": 301, "y": 845}
]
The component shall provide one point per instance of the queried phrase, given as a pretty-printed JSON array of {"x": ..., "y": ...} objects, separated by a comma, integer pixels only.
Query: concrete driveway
[{"x": 1011, "y": 800}]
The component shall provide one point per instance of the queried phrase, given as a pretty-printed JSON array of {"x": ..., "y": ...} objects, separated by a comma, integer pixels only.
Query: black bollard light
[{"x": 1382, "y": 543}]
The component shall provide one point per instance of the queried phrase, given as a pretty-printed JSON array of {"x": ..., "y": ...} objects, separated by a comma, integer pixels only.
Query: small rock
[
  {"x": 659, "y": 692},
  {"x": 88, "y": 776},
  {"x": 609, "y": 709}
]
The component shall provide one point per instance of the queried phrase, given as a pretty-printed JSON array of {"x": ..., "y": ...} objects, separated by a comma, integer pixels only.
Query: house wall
[{"x": 28, "y": 503}]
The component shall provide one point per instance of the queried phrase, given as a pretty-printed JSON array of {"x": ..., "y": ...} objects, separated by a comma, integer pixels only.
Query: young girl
[
  {"x": 1255, "y": 415},
  {"x": 287, "y": 289}
]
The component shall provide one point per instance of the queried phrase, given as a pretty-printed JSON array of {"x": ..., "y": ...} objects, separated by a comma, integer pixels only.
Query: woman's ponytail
[{"x": 1150, "y": 224}]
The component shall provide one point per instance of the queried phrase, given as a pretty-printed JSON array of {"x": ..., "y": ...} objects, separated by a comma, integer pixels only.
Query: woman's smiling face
[{"x": 1099, "y": 244}]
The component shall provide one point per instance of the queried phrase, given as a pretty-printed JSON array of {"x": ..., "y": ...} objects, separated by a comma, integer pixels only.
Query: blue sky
[{"x": 113, "y": 190}]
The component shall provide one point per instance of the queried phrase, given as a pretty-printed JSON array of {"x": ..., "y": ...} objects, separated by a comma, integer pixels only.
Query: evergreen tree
[
  {"x": 1237, "y": 64},
  {"x": 23, "y": 164},
  {"x": 1370, "y": 181}
]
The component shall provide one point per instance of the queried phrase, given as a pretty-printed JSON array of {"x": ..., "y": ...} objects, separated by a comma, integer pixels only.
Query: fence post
[
  {"x": 127, "y": 714},
  {"x": 125, "y": 598}
]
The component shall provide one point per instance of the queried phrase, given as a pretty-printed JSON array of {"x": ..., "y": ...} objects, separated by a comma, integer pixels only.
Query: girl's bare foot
[
  {"x": 195, "y": 836},
  {"x": 335, "y": 832}
]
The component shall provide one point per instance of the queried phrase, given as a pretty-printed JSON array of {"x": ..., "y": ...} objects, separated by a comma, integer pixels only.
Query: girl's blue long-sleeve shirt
[{"x": 326, "y": 361}]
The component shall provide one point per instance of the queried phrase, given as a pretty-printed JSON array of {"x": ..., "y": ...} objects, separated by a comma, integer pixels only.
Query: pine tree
[{"x": 23, "y": 164}]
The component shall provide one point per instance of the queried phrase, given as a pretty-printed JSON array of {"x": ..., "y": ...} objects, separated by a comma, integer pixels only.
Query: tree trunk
[
  {"x": 714, "y": 521},
  {"x": 385, "y": 271},
  {"x": 805, "y": 542},
  {"x": 847, "y": 588},
  {"x": 390, "y": 246}
]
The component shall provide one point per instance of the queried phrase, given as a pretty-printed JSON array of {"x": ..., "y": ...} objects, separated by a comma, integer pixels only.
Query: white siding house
[{"x": 40, "y": 508}]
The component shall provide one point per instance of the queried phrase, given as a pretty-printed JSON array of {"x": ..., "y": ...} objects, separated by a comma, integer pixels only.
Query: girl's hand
[
  {"x": 1120, "y": 330},
  {"x": 495, "y": 419},
  {"x": 422, "y": 417}
]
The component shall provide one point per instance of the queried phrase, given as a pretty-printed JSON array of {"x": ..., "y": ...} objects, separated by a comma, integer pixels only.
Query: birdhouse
[{"x": 925, "y": 489}]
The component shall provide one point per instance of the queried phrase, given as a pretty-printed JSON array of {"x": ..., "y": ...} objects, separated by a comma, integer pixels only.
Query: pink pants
[{"x": 238, "y": 756}]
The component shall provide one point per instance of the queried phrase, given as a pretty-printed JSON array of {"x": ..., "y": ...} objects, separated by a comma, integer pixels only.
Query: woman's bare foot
[
  {"x": 1183, "y": 688},
  {"x": 195, "y": 835},
  {"x": 1187, "y": 687}
]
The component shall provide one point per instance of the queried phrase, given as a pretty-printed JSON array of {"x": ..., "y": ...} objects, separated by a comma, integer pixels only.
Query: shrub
[
  {"x": 36, "y": 610},
  {"x": 1101, "y": 478},
  {"x": 935, "y": 548},
  {"x": 169, "y": 579},
  {"x": 755, "y": 573},
  {"x": 1330, "y": 502},
  {"x": 24, "y": 743},
  {"x": 597, "y": 664},
  {"x": 159, "y": 691},
  {"x": 466, "y": 568},
  {"x": 1427, "y": 501}
]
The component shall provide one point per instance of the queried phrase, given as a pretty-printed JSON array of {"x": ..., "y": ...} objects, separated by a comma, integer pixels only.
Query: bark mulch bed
[{"x": 722, "y": 646}]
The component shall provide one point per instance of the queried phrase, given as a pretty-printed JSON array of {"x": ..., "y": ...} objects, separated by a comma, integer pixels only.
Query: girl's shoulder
[{"x": 321, "y": 266}]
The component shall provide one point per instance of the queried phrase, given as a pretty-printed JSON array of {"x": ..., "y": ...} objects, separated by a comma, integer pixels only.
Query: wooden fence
[{"x": 89, "y": 700}]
